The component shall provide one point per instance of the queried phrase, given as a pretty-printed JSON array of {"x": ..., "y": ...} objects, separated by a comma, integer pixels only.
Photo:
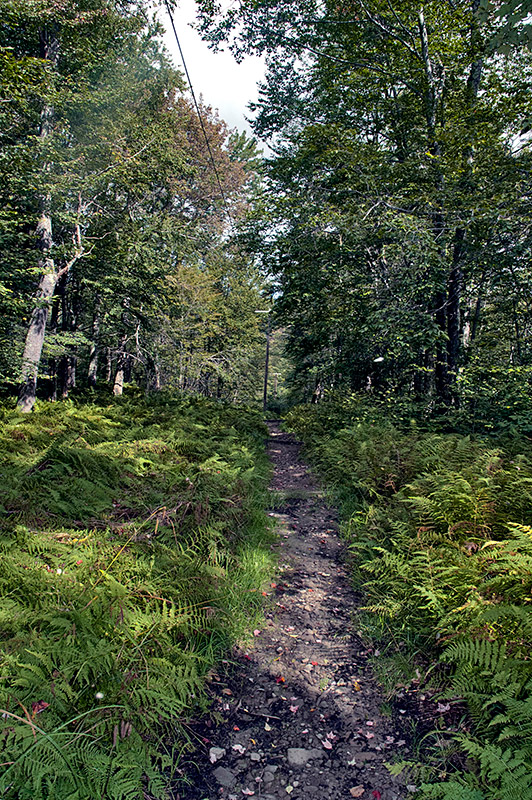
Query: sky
[{"x": 224, "y": 84}]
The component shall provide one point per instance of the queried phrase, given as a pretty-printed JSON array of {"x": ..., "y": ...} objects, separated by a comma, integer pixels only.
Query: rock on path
[{"x": 301, "y": 714}]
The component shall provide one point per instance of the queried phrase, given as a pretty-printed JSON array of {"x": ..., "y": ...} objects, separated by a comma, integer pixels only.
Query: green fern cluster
[
  {"x": 440, "y": 527},
  {"x": 132, "y": 545}
]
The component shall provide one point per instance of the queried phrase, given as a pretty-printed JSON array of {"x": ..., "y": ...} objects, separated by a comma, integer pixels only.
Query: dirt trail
[{"x": 301, "y": 715}]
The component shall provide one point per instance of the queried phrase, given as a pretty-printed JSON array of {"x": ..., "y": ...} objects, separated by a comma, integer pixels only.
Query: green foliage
[
  {"x": 398, "y": 138},
  {"x": 133, "y": 546},
  {"x": 440, "y": 529}
]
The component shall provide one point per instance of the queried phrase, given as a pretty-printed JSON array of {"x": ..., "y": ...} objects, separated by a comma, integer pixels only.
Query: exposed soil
[{"x": 300, "y": 714}]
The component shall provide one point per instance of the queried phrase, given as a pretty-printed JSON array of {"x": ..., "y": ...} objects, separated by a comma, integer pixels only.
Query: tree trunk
[
  {"x": 67, "y": 375},
  {"x": 454, "y": 322},
  {"x": 49, "y": 277},
  {"x": 35, "y": 338},
  {"x": 92, "y": 372},
  {"x": 441, "y": 372},
  {"x": 108, "y": 364},
  {"x": 118, "y": 383}
]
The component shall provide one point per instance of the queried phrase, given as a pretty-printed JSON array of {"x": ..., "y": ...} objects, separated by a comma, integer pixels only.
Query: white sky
[{"x": 224, "y": 84}]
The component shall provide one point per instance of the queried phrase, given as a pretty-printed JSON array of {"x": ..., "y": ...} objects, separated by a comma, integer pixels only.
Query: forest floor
[{"x": 298, "y": 713}]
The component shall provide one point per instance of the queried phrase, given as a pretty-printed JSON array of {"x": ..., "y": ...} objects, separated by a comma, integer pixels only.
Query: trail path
[{"x": 301, "y": 715}]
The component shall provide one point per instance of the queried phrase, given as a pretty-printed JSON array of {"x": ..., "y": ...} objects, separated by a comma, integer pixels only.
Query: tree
[
  {"x": 111, "y": 196},
  {"x": 395, "y": 169}
]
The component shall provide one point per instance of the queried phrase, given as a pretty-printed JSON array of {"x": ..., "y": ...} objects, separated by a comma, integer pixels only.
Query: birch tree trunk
[{"x": 49, "y": 276}]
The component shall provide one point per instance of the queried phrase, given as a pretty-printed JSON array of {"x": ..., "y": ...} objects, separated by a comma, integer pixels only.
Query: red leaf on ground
[
  {"x": 376, "y": 794},
  {"x": 38, "y": 707}
]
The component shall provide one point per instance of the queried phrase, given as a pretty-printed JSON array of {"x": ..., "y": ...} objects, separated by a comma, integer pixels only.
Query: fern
[
  {"x": 439, "y": 530},
  {"x": 106, "y": 639}
]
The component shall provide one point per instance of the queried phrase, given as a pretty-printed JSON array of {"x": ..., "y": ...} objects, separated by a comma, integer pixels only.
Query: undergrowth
[
  {"x": 440, "y": 528},
  {"x": 133, "y": 546}
]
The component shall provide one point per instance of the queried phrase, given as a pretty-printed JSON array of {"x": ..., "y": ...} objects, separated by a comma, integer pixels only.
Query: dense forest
[
  {"x": 398, "y": 198},
  {"x": 378, "y": 252},
  {"x": 117, "y": 204}
]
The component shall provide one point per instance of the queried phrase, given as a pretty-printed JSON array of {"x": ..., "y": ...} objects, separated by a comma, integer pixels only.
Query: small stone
[
  {"x": 362, "y": 757},
  {"x": 299, "y": 756},
  {"x": 216, "y": 753},
  {"x": 254, "y": 756},
  {"x": 224, "y": 777}
]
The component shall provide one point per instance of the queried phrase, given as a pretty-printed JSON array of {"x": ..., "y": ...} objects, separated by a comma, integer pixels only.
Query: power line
[{"x": 198, "y": 111}]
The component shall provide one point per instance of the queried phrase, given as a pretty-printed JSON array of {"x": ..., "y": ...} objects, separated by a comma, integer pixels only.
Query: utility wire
[{"x": 198, "y": 111}]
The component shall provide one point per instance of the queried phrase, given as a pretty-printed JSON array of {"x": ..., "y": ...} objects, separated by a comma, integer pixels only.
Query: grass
[{"x": 133, "y": 545}]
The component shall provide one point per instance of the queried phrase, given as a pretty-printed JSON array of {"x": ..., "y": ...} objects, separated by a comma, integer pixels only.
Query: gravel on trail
[{"x": 299, "y": 714}]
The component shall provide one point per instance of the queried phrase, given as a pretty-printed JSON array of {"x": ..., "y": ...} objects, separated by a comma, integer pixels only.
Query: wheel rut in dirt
[{"x": 299, "y": 713}]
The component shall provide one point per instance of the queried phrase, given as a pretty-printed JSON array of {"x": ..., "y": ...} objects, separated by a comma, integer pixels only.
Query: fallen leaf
[
  {"x": 327, "y": 745},
  {"x": 256, "y": 632},
  {"x": 236, "y": 728},
  {"x": 36, "y": 708},
  {"x": 239, "y": 749},
  {"x": 331, "y": 736},
  {"x": 357, "y": 791},
  {"x": 314, "y": 663},
  {"x": 293, "y": 709},
  {"x": 280, "y": 679},
  {"x": 248, "y": 792},
  {"x": 356, "y": 686},
  {"x": 376, "y": 794},
  {"x": 267, "y": 727},
  {"x": 289, "y": 789},
  {"x": 227, "y": 691}
]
